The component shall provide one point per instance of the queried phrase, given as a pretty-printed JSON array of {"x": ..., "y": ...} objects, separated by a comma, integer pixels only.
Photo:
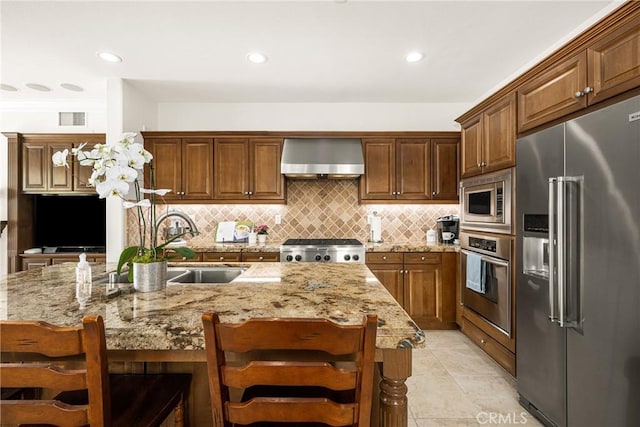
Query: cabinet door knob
[
  {"x": 479, "y": 164},
  {"x": 261, "y": 258},
  {"x": 384, "y": 258},
  {"x": 482, "y": 340},
  {"x": 221, "y": 258},
  {"x": 250, "y": 192},
  {"x": 583, "y": 92},
  {"x": 422, "y": 258},
  {"x": 433, "y": 193}
]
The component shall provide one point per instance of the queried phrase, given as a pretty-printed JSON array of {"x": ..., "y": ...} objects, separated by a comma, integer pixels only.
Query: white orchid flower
[
  {"x": 160, "y": 191},
  {"x": 59, "y": 158},
  {"x": 128, "y": 138},
  {"x": 76, "y": 150},
  {"x": 121, "y": 173},
  {"x": 112, "y": 187},
  {"x": 131, "y": 157},
  {"x": 144, "y": 203}
]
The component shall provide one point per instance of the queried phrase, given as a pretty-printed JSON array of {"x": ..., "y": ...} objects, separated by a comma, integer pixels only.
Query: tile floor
[{"x": 455, "y": 384}]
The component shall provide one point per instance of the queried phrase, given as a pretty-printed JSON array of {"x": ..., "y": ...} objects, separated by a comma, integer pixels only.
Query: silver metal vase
[{"x": 149, "y": 277}]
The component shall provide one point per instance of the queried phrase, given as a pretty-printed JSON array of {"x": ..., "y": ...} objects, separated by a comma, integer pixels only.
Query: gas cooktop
[{"x": 322, "y": 250}]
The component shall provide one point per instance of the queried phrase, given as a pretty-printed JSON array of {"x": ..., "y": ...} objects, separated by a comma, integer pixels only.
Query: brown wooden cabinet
[
  {"x": 445, "y": 176},
  {"x": 424, "y": 283},
  {"x": 489, "y": 139},
  {"x": 40, "y": 176},
  {"x": 409, "y": 170},
  {"x": 184, "y": 165},
  {"x": 248, "y": 169},
  {"x": 261, "y": 256},
  {"x": 607, "y": 67},
  {"x": 30, "y": 261},
  {"x": 222, "y": 256},
  {"x": 388, "y": 267}
]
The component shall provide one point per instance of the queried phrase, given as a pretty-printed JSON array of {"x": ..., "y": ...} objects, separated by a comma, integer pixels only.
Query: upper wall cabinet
[
  {"x": 409, "y": 170},
  {"x": 248, "y": 169},
  {"x": 39, "y": 176},
  {"x": 183, "y": 165},
  {"x": 608, "y": 67},
  {"x": 488, "y": 139}
]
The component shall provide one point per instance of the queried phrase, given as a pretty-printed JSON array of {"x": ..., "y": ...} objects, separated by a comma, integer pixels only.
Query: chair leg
[{"x": 178, "y": 413}]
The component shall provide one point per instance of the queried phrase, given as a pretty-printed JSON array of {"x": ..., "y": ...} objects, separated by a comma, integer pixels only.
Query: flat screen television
[{"x": 69, "y": 221}]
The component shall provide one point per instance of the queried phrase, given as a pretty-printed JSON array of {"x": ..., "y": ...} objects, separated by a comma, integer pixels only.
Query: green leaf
[
  {"x": 185, "y": 252},
  {"x": 126, "y": 256}
]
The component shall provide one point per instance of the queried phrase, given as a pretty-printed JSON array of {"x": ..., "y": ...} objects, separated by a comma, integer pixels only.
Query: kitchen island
[{"x": 163, "y": 330}]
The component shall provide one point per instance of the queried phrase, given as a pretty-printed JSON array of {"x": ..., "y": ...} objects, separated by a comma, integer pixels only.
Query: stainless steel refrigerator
[{"x": 578, "y": 264}]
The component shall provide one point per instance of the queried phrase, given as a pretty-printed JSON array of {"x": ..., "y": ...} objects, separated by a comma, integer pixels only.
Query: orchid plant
[
  {"x": 116, "y": 168},
  {"x": 262, "y": 229}
]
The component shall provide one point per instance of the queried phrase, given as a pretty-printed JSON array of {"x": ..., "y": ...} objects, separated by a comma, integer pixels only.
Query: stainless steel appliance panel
[
  {"x": 540, "y": 346},
  {"x": 603, "y": 365},
  {"x": 594, "y": 270},
  {"x": 485, "y": 202},
  {"x": 494, "y": 304}
]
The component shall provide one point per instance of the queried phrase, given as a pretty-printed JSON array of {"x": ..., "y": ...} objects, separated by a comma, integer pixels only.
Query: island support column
[{"x": 396, "y": 368}]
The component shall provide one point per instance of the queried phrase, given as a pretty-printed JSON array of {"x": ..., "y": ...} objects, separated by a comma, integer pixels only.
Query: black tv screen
[{"x": 69, "y": 221}]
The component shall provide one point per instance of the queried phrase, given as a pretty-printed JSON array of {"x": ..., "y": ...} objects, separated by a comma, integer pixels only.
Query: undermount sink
[
  {"x": 208, "y": 275},
  {"x": 179, "y": 275}
]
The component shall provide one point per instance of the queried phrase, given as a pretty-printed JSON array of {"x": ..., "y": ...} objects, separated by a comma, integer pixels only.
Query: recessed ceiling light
[
  {"x": 109, "y": 57},
  {"x": 38, "y": 87},
  {"x": 8, "y": 88},
  {"x": 71, "y": 87},
  {"x": 414, "y": 57},
  {"x": 257, "y": 57}
]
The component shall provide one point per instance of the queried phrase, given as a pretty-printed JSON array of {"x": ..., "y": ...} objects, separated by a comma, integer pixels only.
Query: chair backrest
[
  {"x": 303, "y": 365},
  {"x": 23, "y": 339}
]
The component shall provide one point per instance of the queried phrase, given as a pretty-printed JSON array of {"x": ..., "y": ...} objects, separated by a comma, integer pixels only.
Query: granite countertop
[
  {"x": 406, "y": 246},
  {"x": 171, "y": 319},
  {"x": 409, "y": 247}
]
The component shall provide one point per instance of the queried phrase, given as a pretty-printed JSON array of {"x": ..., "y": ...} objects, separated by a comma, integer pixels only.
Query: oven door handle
[{"x": 485, "y": 258}]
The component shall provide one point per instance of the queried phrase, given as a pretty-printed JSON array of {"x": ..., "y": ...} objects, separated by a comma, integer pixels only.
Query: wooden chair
[
  {"x": 88, "y": 396},
  {"x": 292, "y": 371}
]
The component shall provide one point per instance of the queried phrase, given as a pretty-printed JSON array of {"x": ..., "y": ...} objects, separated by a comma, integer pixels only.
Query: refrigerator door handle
[
  {"x": 568, "y": 251},
  {"x": 561, "y": 248},
  {"x": 553, "y": 250}
]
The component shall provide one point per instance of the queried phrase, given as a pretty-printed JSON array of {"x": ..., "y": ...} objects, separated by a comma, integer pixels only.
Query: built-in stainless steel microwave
[{"x": 485, "y": 202}]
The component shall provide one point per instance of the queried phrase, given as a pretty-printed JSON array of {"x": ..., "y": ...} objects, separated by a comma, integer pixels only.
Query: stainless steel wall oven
[{"x": 486, "y": 278}]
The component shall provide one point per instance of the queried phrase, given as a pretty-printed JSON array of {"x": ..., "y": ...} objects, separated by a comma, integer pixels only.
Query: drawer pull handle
[
  {"x": 384, "y": 258},
  {"x": 483, "y": 341},
  {"x": 422, "y": 258},
  {"x": 221, "y": 258},
  {"x": 261, "y": 258}
]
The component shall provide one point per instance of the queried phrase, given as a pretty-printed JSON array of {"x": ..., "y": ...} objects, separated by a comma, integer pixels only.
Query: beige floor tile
[
  {"x": 455, "y": 384},
  {"x": 438, "y": 396}
]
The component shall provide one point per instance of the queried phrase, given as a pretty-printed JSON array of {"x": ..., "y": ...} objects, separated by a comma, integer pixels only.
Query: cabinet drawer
[
  {"x": 261, "y": 257},
  {"x": 383, "y": 257},
  {"x": 222, "y": 256},
  {"x": 422, "y": 258},
  {"x": 494, "y": 349},
  {"x": 176, "y": 257}
]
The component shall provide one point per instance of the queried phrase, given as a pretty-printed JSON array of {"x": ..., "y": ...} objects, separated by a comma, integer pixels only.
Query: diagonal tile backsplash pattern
[{"x": 315, "y": 209}]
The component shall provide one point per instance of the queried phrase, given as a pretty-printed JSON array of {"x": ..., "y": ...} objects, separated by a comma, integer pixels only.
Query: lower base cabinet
[
  {"x": 41, "y": 260},
  {"x": 424, "y": 283},
  {"x": 493, "y": 348}
]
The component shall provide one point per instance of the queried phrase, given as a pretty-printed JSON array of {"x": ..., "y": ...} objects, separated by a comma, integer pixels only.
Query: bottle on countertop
[{"x": 83, "y": 281}]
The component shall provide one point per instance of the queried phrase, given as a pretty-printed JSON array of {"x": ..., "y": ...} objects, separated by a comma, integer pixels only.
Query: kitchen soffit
[{"x": 318, "y": 51}]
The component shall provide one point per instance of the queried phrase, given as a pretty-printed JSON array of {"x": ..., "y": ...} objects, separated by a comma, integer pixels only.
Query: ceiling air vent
[{"x": 72, "y": 119}]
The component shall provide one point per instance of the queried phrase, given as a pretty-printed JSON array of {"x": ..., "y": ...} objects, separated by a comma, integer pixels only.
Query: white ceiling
[{"x": 324, "y": 51}]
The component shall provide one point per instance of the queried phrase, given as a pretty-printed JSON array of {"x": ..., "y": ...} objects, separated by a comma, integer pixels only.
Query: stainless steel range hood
[{"x": 309, "y": 158}]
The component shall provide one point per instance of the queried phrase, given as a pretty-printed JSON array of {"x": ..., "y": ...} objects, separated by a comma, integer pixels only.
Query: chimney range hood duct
[{"x": 309, "y": 158}]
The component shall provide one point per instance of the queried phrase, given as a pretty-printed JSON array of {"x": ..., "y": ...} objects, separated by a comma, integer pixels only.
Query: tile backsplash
[{"x": 315, "y": 209}]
